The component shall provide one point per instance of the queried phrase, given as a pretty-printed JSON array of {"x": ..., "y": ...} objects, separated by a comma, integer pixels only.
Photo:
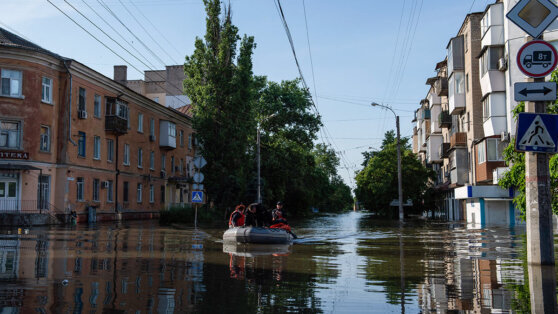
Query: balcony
[
  {"x": 116, "y": 125},
  {"x": 432, "y": 148},
  {"x": 441, "y": 86},
  {"x": 456, "y": 93},
  {"x": 167, "y": 135},
  {"x": 444, "y": 119},
  {"x": 492, "y": 26},
  {"x": 444, "y": 150},
  {"x": 426, "y": 114},
  {"x": 458, "y": 139}
]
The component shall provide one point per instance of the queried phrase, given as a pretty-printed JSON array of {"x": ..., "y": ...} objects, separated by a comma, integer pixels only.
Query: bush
[{"x": 185, "y": 214}]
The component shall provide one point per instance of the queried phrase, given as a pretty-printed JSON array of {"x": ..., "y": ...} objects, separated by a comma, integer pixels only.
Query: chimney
[{"x": 121, "y": 74}]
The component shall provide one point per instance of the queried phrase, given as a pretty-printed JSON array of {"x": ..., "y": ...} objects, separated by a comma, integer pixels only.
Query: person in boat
[
  {"x": 278, "y": 215},
  {"x": 251, "y": 219},
  {"x": 237, "y": 217}
]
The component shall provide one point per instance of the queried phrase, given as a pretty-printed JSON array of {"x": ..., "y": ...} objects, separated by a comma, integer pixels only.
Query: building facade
[{"x": 72, "y": 139}]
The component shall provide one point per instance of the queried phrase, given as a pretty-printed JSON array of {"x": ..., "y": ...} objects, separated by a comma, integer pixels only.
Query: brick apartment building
[{"x": 72, "y": 139}]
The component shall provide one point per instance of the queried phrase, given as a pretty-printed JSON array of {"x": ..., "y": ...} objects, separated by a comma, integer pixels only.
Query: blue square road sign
[
  {"x": 537, "y": 132},
  {"x": 197, "y": 197}
]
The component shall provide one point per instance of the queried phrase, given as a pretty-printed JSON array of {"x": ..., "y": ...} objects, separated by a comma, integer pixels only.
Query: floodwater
[{"x": 347, "y": 263}]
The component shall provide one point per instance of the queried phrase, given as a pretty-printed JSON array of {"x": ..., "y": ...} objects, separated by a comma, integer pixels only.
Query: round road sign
[{"x": 537, "y": 58}]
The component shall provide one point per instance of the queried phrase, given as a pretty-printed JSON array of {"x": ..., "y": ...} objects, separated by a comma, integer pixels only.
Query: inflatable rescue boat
[{"x": 257, "y": 235}]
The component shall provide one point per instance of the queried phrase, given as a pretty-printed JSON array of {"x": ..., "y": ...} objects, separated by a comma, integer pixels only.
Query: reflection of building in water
[
  {"x": 478, "y": 287},
  {"x": 111, "y": 270}
]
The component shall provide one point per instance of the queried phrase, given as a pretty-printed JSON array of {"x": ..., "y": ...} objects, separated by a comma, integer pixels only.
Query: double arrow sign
[{"x": 544, "y": 91}]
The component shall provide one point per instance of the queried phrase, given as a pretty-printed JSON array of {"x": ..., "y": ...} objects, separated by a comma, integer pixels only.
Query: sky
[{"x": 351, "y": 52}]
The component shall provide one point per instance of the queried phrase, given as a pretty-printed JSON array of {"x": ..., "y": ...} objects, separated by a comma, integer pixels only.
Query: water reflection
[{"x": 341, "y": 263}]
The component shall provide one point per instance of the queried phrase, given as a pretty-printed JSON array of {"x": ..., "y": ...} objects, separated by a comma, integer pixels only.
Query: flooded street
[{"x": 346, "y": 263}]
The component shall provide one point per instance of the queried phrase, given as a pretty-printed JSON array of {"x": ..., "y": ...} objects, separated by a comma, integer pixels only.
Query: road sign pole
[{"x": 540, "y": 245}]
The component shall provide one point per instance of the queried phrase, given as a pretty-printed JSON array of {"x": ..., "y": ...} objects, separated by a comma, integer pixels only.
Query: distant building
[
  {"x": 72, "y": 139},
  {"x": 161, "y": 86}
]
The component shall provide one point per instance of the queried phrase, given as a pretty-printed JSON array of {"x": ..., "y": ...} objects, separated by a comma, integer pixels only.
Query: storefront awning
[{"x": 17, "y": 167}]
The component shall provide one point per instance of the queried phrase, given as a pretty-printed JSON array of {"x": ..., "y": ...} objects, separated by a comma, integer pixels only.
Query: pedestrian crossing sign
[
  {"x": 197, "y": 197},
  {"x": 537, "y": 132}
]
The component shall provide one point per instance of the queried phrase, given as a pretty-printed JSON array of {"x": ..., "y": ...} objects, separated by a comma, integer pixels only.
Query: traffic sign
[
  {"x": 537, "y": 58},
  {"x": 197, "y": 186},
  {"x": 540, "y": 91},
  {"x": 533, "y": 16},
  {"x": 199, "y": 162},
  {"x": 537, "y": 132},
  {"x": 198, "y": 177},
  {"x": 197, "y": 197}
]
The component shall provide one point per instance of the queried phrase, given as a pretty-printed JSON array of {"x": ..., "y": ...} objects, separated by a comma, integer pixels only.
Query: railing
[
  {"x": 426, "y": 114},
  {"x": 441, "y": 86},
  {"x": 26, "y": 206},
  {"x": 444, "y": 150},
  {"x": 116, "y": 124},
  {"x": 458, "y": 139},
  {"x": 444, "y": 119}
]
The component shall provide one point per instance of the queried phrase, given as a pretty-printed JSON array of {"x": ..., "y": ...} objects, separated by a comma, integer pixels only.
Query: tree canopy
[
  {"x": 229, "y": 102},
  {"x": 377, "y": 181}
]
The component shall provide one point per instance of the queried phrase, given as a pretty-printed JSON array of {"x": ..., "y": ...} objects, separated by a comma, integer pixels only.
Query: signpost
[
  {"x": 527, "y": 91},
  {"x": 197, "y": 196}
]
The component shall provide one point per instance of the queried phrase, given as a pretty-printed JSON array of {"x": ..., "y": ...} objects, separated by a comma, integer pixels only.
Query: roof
[
  {"x": 187, "y": 110},
  {"x": 431, "y": 80},
  {"x": 441, "y": 64},
  {"x": 9, "y": 39}
]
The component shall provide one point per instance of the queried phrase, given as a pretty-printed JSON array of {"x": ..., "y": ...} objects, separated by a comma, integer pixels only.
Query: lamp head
[{"x": 374, "y": 104}]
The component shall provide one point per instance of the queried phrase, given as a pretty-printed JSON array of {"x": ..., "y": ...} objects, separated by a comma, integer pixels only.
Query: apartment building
[
  {"x": 72, "y": 139},
  {"x": 470, "y": 123}
]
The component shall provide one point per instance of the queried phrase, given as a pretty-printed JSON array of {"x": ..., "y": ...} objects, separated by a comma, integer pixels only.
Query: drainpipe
[{"x": 70, "y": 112}]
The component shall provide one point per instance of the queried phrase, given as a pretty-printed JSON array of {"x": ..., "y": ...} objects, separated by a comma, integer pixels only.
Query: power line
[
  {"x": 145, "y": 30},
  {"x": 106, "y": 46}
]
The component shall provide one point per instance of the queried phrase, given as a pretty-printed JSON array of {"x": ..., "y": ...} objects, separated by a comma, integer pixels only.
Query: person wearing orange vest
[{"x": 237, "y": 217}]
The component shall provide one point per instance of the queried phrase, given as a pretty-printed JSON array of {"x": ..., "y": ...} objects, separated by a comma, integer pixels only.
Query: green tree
[
  {"x": 220, "y": 83},
  {"x": 515, "y": 177},
  {"x": 377, "y": 182}
]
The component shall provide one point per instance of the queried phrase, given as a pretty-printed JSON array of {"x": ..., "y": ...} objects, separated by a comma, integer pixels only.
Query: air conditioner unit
[
  {"x": 502, "y": 64},
  {"x": 82, "y": 114},
  {"x": 105, "y": 185},
  {"x": 163, "y": 173},
  {"x": 505, "y": 136},
  {"x": 152, "y": 138}
]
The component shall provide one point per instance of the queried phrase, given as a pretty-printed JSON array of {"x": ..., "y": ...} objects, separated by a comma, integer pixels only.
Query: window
[
  {"x": 486, "y": 108},
  {"x": 109, "y": 191},
  {"x": 190, "y": 141},
  {"x": 172, "y": 164},
  {"x": 467, "y": 82},
  {"x": 45, "y": 139},
  {"x": 468, "y": 121},
  {"x": 96, "y": 147},
  {"x": 489, "y": 59},
  {"x": 494, "y": 149},
  {"x": 139, "y": 192},
  {"x": 140, "y": 157},
  {"x": 181, "y": 138},
  {"x": 458, "y": 82},
  {"x": 152, "y": 127},
  {"x": 97, "y": 106},
  {"x": 151, "y": 194},
  {"x": 81, "y": 144},
  {"x": 481, "y": 153},
  {"x": 126, "y": 154},
  {"x": 79, "y": 189},
  {"x": 81, "y": 99},
  {"x": 163, "y": 163},
  {"x": 46, "y": 94},
  {"x": 96, "y": 185},
  {"x": 172, "y": 130},
  {"x": 162, "y": 193},
  {"x": 152, "y": 160},
  {"x": 125, "y": 191},
  {"x": 9, "y": 134},
  {"x": 465, "y": 42},
  {"x": 10, "y": 83},
  {"x": 181, "y": 165},
  {"x": 110, "y": 150},
  {"x": 140, "y": 122},
  {"x": 156, "y": 99}
]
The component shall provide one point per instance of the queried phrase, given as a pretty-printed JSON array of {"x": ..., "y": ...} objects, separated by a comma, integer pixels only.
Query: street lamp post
[{"x": 399, "y": 176}]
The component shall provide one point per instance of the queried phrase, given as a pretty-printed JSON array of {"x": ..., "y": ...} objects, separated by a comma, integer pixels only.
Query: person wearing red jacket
[{"x": 237, "y": 217}]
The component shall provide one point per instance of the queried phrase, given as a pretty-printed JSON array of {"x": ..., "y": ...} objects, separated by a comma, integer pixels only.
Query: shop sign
[{"x": 14, "y": 155}]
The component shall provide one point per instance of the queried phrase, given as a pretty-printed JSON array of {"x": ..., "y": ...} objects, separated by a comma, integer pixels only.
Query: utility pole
[{"x": 258, "y": 157}]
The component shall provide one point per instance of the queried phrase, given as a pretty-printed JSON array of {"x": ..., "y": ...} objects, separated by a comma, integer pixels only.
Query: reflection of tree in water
[
  {"x": 268, "y": 285},
  {"x": 383, "y": 264},
  {"x": 521, "y": 299}
]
